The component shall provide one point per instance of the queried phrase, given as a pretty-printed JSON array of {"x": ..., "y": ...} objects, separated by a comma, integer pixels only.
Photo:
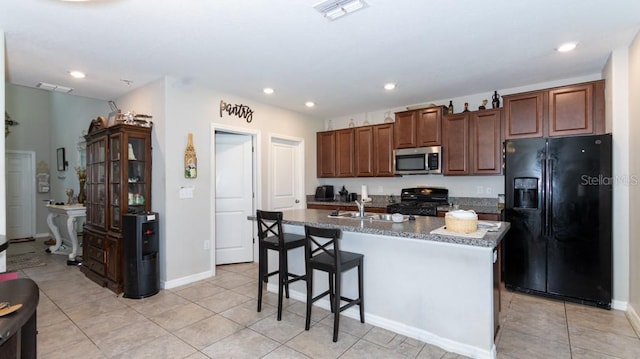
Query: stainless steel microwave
[{"x": 420, "y": 160}]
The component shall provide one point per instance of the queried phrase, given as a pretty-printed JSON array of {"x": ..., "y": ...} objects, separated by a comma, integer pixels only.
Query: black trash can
[{"x": 140, "y": 255}]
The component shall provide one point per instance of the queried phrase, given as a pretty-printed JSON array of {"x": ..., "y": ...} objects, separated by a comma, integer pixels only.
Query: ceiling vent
[
  {"x": 335, "y": 9},
  {"x": 52, "y": 87}
]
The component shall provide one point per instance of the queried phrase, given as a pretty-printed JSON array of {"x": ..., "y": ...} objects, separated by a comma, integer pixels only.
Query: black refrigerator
[{"x": 559, "y": 204}]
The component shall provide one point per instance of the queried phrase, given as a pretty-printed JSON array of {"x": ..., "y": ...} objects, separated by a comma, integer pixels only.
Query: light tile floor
[{"x": 217, "y": 318}]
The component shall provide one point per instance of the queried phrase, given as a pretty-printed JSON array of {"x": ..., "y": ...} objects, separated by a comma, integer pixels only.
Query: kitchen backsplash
[{"x": 458, "y": 186}]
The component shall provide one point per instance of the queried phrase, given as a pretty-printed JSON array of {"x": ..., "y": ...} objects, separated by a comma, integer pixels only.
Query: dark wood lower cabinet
[{"x": 102, "y": 259}]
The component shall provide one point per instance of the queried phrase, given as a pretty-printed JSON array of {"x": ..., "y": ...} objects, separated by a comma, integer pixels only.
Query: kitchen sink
[{"x": 386, "y": 217}]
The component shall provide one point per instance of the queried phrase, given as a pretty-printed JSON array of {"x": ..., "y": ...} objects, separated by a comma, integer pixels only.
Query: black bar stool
[
  {"x": 271, "y": 236},
  {"x": 322, "y": 252}
]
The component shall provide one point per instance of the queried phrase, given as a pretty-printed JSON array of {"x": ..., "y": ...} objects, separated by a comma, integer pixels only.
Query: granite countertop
[{"x": 419, "y": 228}]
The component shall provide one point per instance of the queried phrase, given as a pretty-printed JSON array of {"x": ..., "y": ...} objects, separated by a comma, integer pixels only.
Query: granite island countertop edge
[{"x": 415, "y": 230}]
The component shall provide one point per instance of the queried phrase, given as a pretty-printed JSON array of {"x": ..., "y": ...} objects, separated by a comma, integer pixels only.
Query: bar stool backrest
[
  {"x": 323, "y": 241},
  {"x": 269, "y": 224}
]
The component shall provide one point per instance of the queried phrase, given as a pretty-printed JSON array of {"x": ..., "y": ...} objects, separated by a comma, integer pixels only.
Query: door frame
[
  {"x": 257, "y": 186},
  {"x": 299, "y": 162},
  {"x": 31, "y": 195}
]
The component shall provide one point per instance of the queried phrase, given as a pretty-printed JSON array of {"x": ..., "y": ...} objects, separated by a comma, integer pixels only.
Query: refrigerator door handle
[
  {"x": 549, "y": 204},
  {"x": 545, "y": 199}
]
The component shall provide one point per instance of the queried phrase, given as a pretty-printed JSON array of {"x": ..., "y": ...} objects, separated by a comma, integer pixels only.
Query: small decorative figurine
[
  {"x": 131, "y": 155},
  {"x": 466, "y": 107},
  {"x": 484, "y": 105},
  {"x": 495, "y": 103},
  {"x": 69, "y": 193}
]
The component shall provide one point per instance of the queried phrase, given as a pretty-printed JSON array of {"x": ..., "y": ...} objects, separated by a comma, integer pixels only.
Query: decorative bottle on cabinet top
[
  {"x": 190, "y": 159},
  {"x": 450, "y": 110},
  {"x": 495, "y": 103}
]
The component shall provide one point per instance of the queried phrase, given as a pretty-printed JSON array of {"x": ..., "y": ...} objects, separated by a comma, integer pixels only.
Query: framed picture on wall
[{"x": 62, "y": 162}]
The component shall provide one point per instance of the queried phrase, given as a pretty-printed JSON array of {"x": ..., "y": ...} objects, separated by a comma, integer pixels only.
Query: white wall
[
  {"x": 185, "y": 224},
  {"x": 47, "y": 121},
  {"x": 634, "y": 168},
  {"x": 616, "y": 73}
]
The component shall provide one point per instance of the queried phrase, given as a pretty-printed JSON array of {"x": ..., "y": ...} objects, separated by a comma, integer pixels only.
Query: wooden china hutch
[{"x": 118, "y": 182}]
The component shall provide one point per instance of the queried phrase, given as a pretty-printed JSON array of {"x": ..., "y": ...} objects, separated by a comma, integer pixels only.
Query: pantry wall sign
[{"x": 241, "y": 111}]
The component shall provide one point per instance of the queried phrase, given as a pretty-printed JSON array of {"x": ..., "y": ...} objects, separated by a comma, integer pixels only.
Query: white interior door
[
  {"x": 234, "y": 198},
  {"x": 286, "y": 177},
  {"x": 20, "y": 179}
]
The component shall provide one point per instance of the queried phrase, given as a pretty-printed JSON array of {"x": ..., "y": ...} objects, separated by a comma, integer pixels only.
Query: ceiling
[{"x": 430, "y": 49}]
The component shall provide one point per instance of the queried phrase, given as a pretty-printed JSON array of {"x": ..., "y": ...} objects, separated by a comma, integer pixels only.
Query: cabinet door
[
  {"x": 383, "y": 150},
  {"x": 455, "y": 146},
  {"x": 115, "y": 186},
  {"x": 429, "y": 127},
  {"x": 137, "y": 173},
  {"x": 485, "y": 142},
  {"x": 113, "y": 259},
  {"x": 405, "y": 130},
  {"x": 364, "y": 151},
  {"x": 571, "y": 110},
  {"x": 345, "y": 147},
  {"x": 326, "y": 154},
  {"x": 524, "y": 115},
  {"x": 96, "y": 182}
]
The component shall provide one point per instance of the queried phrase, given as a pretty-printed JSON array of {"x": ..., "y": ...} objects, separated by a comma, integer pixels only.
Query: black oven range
[{"x": 420, "y": 201}]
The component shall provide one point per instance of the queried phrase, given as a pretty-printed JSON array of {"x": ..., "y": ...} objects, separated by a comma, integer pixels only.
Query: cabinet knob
[{"x": 297, "y": 201}]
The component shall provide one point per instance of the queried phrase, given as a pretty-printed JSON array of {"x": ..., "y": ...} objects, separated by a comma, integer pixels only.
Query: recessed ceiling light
[
  {"x": 268, "y": 90},
  {"x": 77, "y": 74},
  {"x": 567, "y": 47},
  {"x": 390, "y": 86},
  {"x": 309, "y": 104}
]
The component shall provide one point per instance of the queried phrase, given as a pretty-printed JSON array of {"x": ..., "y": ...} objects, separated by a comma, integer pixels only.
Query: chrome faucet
[{"x": 360, "y": 208}]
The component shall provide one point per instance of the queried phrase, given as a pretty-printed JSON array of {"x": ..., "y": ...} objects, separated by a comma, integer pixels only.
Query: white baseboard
[
  {"x": 619, "y": 305},
  {"x": 42, "y": 235},
  {"x": 633, "y": 318},
  {"x": 185, "y": 280},
  {"x": 400, "y": 328}
]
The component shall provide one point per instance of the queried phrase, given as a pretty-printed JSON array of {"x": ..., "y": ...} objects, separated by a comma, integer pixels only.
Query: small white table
[{"x": 72, "y": 212}]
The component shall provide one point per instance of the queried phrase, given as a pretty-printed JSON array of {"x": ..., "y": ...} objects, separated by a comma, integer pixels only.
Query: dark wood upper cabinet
[
  {"x": 486, "y": 143},
  {"x": 429, "y": 127},
  {"x": 561, "y": 111},
  {"x": 345, "y": 147},
  {"x": 364, "y": 151},
  {"x": 571, "y": 110},
  {"x": 374, "y": 150},
  {"x": 524, "y": 115},
  {"x": 383, "y": 150},
  {"x": 455, "y": 151},
  {"x": 419, "y": 128},
  {"x": 405, "y": 133},
  {"x": 326, "y": 154},
  {"x": 472, "y": 143}
]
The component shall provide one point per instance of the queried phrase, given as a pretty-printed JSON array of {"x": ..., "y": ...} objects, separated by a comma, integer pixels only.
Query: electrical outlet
[
  {"x": 380, "y": 189},
  {"x": 206, "y": 245},
  {"x": 489, "y": 190},
  {"x": 480, "y": 189}
]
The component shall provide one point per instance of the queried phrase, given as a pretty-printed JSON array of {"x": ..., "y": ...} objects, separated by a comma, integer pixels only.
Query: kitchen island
[{"x": 435, "y": 288}]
